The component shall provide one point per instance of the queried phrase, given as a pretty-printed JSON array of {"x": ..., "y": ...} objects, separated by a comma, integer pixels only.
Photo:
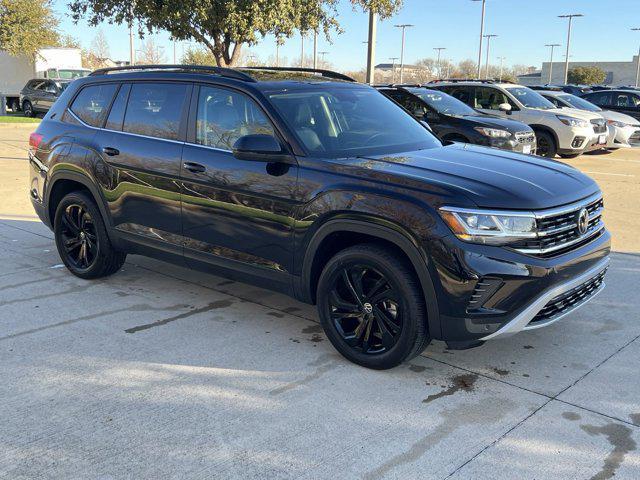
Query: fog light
[{"x": 577, "y": 142}]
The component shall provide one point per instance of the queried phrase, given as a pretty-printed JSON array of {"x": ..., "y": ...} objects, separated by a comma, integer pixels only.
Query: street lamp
[
  {"x": 393, "y": 69},
  {"x": 566, "y": 62},
  {"x": 322, "y": 54},
  {"x": 552, "y": 45},
  {"x": 638, "y": 66},
  {"x": 488, "y": 37},
  {"x": 403, "y": 26},
  {"x": 439, "y": 49},
  {"x": 502, "y": 59},
  {"x": 484, "y": 4},
  {"x": 302, "y": 49}
]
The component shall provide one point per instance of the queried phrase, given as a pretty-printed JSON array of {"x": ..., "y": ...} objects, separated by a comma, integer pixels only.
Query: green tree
[
  {"x": 222, "y": 26},
  {"x": 198, "y": 56},
  {"x": 384, "y": 8},
  {"x": 26, "y": 26},
  {"x": 586, "y": 75}
]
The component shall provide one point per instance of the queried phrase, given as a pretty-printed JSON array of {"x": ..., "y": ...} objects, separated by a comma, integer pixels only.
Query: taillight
[{"x": 35, "y": 139}]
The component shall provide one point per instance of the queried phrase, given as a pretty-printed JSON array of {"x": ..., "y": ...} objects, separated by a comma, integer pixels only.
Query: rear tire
[
  {"x": 546, "y": 144},
  {"x": 569, "y": 155},
  {"x": 378, "y": 318},
  {"x": 82, "y": 240},
  {"x": 27, "y": 109}
]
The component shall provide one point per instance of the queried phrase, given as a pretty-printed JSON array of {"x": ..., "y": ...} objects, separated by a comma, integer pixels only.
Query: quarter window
[
  {"x": 155, "y": 110},
  {"x": 625, "y": 100},
  {"x": 224, "y": 116},
  {"x": 92, "y": 103}
]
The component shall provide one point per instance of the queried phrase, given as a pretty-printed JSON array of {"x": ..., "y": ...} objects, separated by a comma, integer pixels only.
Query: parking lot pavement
[{"x": 160, "y": 372}]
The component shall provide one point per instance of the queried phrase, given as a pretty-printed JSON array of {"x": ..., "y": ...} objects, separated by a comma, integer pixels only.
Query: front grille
[
  {"x": 558, "y": 231},
  {"x": 574, "y": 297},
  {"x": 635, "y": 138},
  {"x": 599, "y": 125},
  {"x": 525, "y": 137}
]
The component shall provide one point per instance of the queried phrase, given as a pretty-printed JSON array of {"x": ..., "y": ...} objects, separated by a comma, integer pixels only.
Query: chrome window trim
[{"x": 208, "y": 147}]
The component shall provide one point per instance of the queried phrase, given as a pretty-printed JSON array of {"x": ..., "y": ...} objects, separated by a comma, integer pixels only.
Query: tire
[
  {"x": 546, "y": 144},
  {"x": 354, "y": 326},
  {"x": 82, "y": 240},
  {"x": 27, "y": 109},
  {"x": 569, "y": 155}
]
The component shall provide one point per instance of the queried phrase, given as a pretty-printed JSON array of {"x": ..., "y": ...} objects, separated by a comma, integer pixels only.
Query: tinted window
[
  {"x": 580, "y": 103},
  {"x": 116, "y": 116},
  {"x": 155, "y": 109},
  {"x": 224, "y": 116},
  {"x": 343, "y": 121},
  {"x": 443, "y": 103},
  {"x": 412, "y": 104},
  {"x": 50, "y": 87},
  {"x": 625, "y": 100},
  {"x": 92, "y": 103},
  {"x": 464, "y": 94},
  {"x": 599, "y": 98},
  {"x": 490, "y": 98},
  {"x": 37, "y": 85}
]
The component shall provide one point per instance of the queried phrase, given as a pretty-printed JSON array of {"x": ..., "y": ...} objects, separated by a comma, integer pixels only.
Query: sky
[{"x": 523, "y": 28}]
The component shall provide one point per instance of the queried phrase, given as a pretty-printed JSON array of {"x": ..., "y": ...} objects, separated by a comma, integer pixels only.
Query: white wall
[
  {"x": 14, "y": 73},
  {"x": 618, "y": 73}
]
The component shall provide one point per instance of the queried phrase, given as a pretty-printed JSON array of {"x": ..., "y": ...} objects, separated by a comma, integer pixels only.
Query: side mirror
[
  {"x": 504, "y": 107},
  {"x": 261, "y": 148}
]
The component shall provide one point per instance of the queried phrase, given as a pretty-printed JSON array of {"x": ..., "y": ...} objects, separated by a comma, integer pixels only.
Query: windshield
[
  {"x": 580, "y": 103},
  {"x": 530, "y": 99},
  {"x": 443, "y": 103},
  {"x": 67, "y": 73},
  {"x": 335, "y": 122}
]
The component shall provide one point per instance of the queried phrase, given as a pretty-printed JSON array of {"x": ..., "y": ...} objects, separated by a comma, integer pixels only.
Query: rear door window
[
  {"x": 625, "y": 100},
  {"x": 463, "y": 93},
  {"x": 155, "y": 109},
  {"x": 92, "y": 103},
  {"x": 600, "y": 98},
  {"x": 490, "y": 98}
]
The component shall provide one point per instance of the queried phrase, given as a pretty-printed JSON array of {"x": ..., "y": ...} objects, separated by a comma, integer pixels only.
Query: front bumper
[
  {"x": 487, "y": 292},
  {"x": 577, "y": 140}
]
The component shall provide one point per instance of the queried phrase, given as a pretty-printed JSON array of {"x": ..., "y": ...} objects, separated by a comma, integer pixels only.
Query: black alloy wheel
[
  {"x": 365, "y": 309},
  {"x": 372, "y": 306},
  {"x": 82, "y": 240},
  {"x": 27, "y": 109},
  {"x": 546, "y": 145},
  {"x": 79, "y": 237}
]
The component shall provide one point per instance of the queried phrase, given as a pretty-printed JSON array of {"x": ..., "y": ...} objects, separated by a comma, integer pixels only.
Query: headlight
[
  {"x": 573, "y": 122},
  {"x": 492, "y": 132},
  {"x": 617, "y": 124},
  {"x": 489, "y": 227}
]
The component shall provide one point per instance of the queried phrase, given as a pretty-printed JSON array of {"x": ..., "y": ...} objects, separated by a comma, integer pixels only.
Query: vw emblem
[
  {"x": 368, "y": 308},
  {"x": 583, "y": 221}
]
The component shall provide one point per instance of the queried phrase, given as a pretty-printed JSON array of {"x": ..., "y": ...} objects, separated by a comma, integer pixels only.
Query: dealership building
[{"x": 618, "y": 73}]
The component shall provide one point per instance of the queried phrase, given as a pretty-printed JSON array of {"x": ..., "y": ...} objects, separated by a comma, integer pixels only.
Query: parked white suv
[
  {"x": 624, "y": 130},
  {"x": 565, "y": 132}
]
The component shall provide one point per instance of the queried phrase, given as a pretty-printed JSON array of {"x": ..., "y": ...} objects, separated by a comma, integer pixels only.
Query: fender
[
  {"x": 535, "y": 127},
  {"x": 389, "y": 232},
  {"x": 68, "y": 174}
]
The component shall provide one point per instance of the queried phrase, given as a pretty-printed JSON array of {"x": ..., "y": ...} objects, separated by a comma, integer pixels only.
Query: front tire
[
  {"x": 546, "y": 144},
  {"x": 372, "y": 308},
  {"x": 82, "y": 240},
  {"x": 569, "y": 155}
]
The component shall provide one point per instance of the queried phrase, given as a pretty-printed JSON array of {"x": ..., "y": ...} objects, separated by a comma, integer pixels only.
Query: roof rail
[
  {"x": 324, "y": 73},
  {"x": 223, "y": 72},
  {"x": 477, "y": 80}
]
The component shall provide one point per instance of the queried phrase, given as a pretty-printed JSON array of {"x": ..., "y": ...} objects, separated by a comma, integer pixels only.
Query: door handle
[
  {"x": 110, "y": 151},
  {"x": 195, "y": 167}
]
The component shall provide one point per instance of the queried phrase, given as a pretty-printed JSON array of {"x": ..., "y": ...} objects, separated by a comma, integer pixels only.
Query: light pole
[
  {"x": 393, "y": 69},
  {"x": 552, "y": 45},
  {"x": 638, "y": 65},
  {"x": 371, "y": 47},
  {"x": 501, "y": 65},
  {"x": 566, "y": 62},
  {"x": 302, "y": 49},
  {"x": 322, "y": 54},
  {"x": 488, "y": 37},
  {"x": 484, "y": 4},
  {"x": 439, "y": 49},
  {"x": 404, "y": 26},
  {"x": 315, "y": 49}
]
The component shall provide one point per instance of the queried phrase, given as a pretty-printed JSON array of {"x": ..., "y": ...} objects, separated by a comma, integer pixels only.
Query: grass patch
[{"x": 17, "y": 118}]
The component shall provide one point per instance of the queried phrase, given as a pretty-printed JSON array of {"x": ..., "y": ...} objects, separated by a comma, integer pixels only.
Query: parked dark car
[
  {"x": 324, "y": 189},
  {"x": 572, "y": 89},
  {"x": 39, "y": 95},
  {"x": 452, "y": 120},
  {"x": 625, "y": 101}
]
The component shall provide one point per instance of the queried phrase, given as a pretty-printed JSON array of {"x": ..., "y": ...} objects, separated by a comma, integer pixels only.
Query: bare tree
[{"x": 150, "y": 53}]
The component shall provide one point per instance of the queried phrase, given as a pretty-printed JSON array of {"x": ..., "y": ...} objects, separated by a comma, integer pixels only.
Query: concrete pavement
[{"x": 161, "y": 372}]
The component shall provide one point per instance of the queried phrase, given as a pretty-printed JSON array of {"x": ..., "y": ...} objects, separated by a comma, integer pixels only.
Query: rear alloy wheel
[
  {"x": 546, "y": 146},
  {"x": 82, "y": 240},
  {"x": 371, "y": 307},
  {"x": 27, "y": 109}
]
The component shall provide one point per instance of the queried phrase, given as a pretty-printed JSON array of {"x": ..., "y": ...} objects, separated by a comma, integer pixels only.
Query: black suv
[
  {"x": 625, "y": 101},
  {"x": 322, "y": 188},
  {"x": 39, "y": 95},
  {"x": 454, "y": 121}
]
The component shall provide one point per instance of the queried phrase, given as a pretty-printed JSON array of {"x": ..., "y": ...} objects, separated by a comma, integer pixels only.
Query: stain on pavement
[
  {"x": 463, "y": 383},
  {"x": 212, "y": 306},
  {"x": 619, "y": 436}
]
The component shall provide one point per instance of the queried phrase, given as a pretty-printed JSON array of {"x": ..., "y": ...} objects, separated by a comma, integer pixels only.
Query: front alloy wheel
[{"x": 372, "y": 306}]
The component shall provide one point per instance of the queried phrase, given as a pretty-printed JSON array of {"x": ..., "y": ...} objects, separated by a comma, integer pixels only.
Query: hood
[
  {"x": 574, "y": 112},
  {"x": 619, "y": 117},
  {"x": 496, "y": 122},
  {"x": 490, "y": 178}
]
